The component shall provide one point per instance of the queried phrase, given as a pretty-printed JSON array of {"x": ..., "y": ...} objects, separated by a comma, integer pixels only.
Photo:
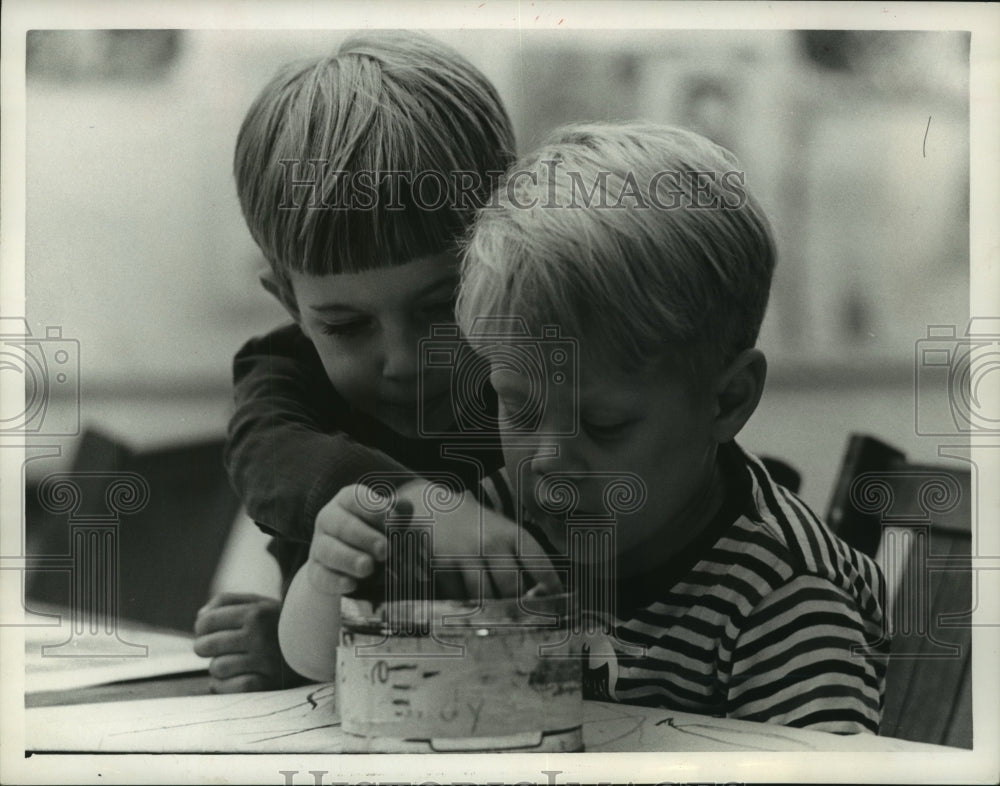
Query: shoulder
[
  {"x": 807, "y": 543},
  {"x": 807, "y": 658},
  {"x": 806, "y": 603}
]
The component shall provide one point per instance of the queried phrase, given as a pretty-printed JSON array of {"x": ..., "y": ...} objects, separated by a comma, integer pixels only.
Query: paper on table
[
  {"x": 305, "y": 720},
  {"x": 82, "y": 661}
]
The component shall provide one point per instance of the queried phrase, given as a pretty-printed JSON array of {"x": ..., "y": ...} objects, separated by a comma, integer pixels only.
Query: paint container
[{"x": 443, "y": 676}]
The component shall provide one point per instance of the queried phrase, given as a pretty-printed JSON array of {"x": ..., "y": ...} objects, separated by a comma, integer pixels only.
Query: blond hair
[{"x": 631, "y": 236}]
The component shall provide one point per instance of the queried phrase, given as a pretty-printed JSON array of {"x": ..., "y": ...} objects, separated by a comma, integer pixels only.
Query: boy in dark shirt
[{"x": 356, "y": 174}]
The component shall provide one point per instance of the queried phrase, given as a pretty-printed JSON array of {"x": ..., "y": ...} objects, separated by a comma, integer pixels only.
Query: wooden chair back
[
  {"x": 176, "y": 510},
  {"x": 915, "y": 521}
]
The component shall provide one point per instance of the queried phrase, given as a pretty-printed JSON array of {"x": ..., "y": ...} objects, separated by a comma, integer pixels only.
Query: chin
[
  {"x": 554, "y": 527},
  {"x": 403, "y": 423},
  {"x": 405, "y": 428},
  {"x": 437, "y": 419}
]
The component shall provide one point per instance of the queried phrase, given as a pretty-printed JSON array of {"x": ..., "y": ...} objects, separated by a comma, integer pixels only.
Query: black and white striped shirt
[{"x": 766, "y": 616}]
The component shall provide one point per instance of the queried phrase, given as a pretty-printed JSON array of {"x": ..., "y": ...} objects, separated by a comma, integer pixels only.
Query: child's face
[
  {"x": 653, "y": 425},
  {"x": 366, "y": 328}
]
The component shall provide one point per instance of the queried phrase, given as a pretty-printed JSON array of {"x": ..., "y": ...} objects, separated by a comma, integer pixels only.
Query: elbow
[
  {"x": 307, "y": 660},
  {"x": 308, "y": 631}
]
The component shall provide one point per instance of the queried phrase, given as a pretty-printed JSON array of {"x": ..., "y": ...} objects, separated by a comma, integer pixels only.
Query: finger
[
  {"x": 226, "y": 667},
  {"x": 343, "y": 525},
  {"x": 364, "y": 503},
  {"x": 449, "y": 585},
  {"x": 222, "y": 618},
  {"x": 222, "y": 643},
  {"x": 501, "y": 583},
  {"x": 475, "y": 586},
  {"x": 539, "y": 591},
  {"x": 328, "y": 582},
  {"x": 541, "y": 570},
  {"x": 229, "y": 599},
  {"x": 243, "y": 683},
  {"x": 340, "y": 557},
  {"x": 401, "y": 512}
]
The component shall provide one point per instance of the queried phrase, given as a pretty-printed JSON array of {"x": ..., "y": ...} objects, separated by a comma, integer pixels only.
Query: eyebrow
[{"x": 449, "y": 279}]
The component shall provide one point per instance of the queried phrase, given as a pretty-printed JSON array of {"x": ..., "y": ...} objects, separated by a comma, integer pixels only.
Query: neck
[{"x": 682, "y": 529}]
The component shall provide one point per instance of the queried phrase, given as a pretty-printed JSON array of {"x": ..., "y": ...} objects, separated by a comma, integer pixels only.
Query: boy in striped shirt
[{"x": 731, "y": 597}]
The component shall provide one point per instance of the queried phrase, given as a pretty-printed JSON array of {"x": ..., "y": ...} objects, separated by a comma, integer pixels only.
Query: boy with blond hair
[{"x": 731, "y": 597}]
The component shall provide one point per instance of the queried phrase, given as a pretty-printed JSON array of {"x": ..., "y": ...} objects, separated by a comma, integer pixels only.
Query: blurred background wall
[{"x": 856, "y": 143}]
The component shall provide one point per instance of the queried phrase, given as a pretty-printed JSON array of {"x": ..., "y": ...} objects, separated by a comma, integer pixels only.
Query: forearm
[
  {"x": 309, "y": 629},
  {"x": 285, "y": 473},
  {"x": 287, "y": 452}
]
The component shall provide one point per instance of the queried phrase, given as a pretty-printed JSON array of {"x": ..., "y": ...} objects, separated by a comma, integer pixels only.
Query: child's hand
[
  {"x": 479, "y": 553},
  {"x": 348, "y": 541},
  {"x": 239, "y": 632}
]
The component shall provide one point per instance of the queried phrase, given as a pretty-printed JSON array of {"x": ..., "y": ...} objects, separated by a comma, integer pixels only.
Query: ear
[
  {"x": 282, "y": 291},
  {"x": 737, "y": 392}
]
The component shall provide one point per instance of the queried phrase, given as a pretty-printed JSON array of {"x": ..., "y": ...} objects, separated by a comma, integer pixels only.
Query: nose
[
  {"x": 546, "y": 457},
  {"x": 399, "y": 361},
  {"x": 554, "y": 475},
  {"x": 555, "y": 454}
]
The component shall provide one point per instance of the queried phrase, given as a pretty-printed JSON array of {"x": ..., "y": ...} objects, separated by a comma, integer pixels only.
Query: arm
[
  {"x": 309, "y": 628},
  {"x": 349, "y": 545},
  {"x": 287, "y": 452},
  {"x": 795, "y": 664},
  {"x": 286, "y": 457}
]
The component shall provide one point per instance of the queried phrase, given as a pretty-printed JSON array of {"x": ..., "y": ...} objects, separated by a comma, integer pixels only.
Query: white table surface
[{"x": 305, "y": 719}]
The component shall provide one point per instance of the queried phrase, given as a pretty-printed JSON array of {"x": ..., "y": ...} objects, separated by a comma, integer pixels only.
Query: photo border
[{"x": 978, "y": 765}]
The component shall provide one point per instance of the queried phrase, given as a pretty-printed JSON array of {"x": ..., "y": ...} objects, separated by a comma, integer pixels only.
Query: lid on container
[{"x": 419, "y": 617}]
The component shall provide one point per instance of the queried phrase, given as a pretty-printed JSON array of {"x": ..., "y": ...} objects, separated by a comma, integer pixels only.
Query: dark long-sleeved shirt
[{"x": 294, "y": 441}]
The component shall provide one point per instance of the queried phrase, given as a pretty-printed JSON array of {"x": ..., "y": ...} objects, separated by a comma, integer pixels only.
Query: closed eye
[
  {"x": 606, "y": 432},
  {"x": 346, "y": 328}
]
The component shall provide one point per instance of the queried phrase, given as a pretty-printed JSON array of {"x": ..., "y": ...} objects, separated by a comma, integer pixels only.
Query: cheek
[
  {"x": 513, "y": 457},
  {"x": 351, "y": 373},
  {"x": 665, "y": 497},
  {"x": 672, "y": 464}
]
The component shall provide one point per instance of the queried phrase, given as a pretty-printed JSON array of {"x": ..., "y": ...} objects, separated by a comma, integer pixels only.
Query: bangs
[
  {"x": 550, "y": 278},
  {"x": 364, "y": 159}
]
